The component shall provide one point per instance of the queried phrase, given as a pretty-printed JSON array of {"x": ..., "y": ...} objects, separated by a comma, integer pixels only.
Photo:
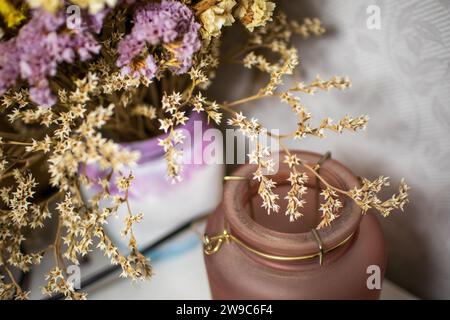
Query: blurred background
[{"x": 400, "y": 75}]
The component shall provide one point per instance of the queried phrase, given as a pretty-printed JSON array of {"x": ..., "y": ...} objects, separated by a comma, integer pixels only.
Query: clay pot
[{"x": 237, "y": 272}]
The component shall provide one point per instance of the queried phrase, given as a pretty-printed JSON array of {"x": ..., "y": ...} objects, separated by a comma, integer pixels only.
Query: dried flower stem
[
  {"x": 314, "y": 172},
  {"x": 18, "y": 143},
  {"x": 57, "y": 246},
  {"x": 244, "y": 100},
  {"x": 11, "y": 277}
]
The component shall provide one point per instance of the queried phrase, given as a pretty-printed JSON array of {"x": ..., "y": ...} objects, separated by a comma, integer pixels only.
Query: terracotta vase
[{"x": 267, "y": 257}]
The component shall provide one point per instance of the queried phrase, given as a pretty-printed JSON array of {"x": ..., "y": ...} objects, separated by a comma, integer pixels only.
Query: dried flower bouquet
[{"x": 130, "y": 70}]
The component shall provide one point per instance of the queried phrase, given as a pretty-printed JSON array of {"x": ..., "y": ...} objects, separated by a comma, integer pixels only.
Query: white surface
[
  {"x": 163, "y": 204},
  {"x": 180, "y": 277},
  {"x": 171, "y": 206}
]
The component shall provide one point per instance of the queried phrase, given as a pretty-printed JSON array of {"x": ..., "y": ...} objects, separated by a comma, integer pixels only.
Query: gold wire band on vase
[{"x": 212, "y": 245}]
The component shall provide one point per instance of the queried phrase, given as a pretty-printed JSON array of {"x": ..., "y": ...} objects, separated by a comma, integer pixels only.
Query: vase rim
[{"x": 281, "y": 243}]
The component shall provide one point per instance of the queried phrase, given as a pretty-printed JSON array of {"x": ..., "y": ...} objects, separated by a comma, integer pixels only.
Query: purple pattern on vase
[{"x": 151, "y": 153}]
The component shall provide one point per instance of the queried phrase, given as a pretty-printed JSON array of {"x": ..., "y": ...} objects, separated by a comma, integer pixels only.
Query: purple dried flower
[
  {"x": 8, "y": 65},
  {"x": 41, "y": 92},
  {"x": 94, "y": 22},
  {"x": 34, "y": 54},
  {"x": 129, "y": 48},
  {"x": 169, "y": 22}
]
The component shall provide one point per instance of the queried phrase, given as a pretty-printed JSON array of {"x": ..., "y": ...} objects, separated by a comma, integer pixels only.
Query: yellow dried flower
[
  {"x": 49, "y": 5},
  {"x": 217, "y": 16},
  {"x": 95, "y": 6},
  {"x": 254, "y": 13},
  {"x": 11, "y": 15}
]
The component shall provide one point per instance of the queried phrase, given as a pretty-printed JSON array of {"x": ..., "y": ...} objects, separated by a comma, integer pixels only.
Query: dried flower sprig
[
  {"x": 330, "y": 208},
  {"x": 298, "y": 189},
  {"x": 276, "y": 37},
  {"x": 57, "y": 284},
  {"x": 365, "y": 196},
  {"x": 266, "y": 185},
  {"x": 72, "y": 139}
]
